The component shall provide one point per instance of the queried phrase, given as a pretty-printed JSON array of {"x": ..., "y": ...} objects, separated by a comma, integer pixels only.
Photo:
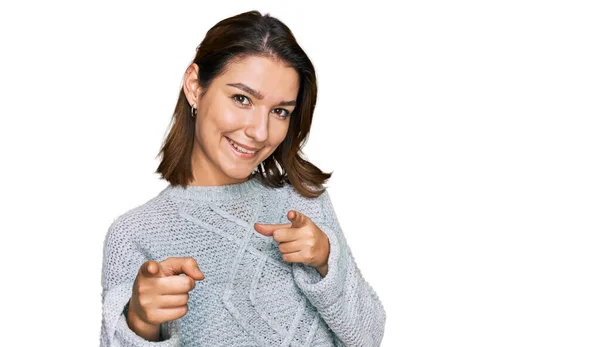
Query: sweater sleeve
[
  {"x": 344, "y": 299},
  {"x": 121, "y": 262}
]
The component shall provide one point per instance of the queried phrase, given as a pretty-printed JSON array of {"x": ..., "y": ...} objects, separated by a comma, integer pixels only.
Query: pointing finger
[
  {"x": 268, "y": 229},
  {"x": 150, "y": 269},
  {"x": 298, "y": 219}
]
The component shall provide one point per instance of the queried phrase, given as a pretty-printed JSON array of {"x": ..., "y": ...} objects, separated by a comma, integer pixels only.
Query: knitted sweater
[{"x": 250, "y": 296}]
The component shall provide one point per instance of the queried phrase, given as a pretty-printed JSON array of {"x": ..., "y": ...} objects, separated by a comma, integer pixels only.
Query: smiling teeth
[{"x": 243, "y": 150}]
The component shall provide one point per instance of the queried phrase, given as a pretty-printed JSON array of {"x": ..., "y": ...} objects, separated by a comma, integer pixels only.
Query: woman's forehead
[{"x": 266, "y": 76}]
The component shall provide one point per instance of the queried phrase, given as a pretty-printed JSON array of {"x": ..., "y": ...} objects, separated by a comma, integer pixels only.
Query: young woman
[{"x": 243, "y": 248}]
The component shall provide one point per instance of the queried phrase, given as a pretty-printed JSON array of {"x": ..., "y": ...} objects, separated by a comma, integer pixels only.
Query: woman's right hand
[{"x": 160, "y": 294}]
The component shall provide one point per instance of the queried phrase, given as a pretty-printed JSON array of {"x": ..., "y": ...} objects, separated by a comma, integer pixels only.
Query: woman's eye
[
  {"x": 282, "y": 112},
  {"x": 240, "y": 99}
]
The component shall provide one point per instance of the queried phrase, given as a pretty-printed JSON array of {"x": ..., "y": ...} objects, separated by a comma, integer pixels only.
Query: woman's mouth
[{"x": 240, "y": 151}]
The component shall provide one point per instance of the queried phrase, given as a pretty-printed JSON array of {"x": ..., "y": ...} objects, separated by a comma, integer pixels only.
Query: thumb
[{"x": 182, "y": 265}]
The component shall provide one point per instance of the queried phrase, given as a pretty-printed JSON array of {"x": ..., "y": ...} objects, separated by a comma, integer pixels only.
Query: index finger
[
  {"x": 268, "y": 229},
  {"x": 150, "y": 268}
]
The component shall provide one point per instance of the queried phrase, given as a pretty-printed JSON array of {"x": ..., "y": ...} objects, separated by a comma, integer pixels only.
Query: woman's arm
[
  {"x": 345, "y": 300},
  {"x": 121, "y": 262}
]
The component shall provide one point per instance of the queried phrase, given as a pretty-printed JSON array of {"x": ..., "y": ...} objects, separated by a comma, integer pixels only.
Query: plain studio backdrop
[{"x": 463, "y": 136}]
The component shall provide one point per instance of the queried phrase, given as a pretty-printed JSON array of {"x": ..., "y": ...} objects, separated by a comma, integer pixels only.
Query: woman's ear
[{"x": 191, "y": 86}]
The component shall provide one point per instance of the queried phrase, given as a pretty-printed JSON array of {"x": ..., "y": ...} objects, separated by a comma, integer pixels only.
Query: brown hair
[{"x": 240, "y": 36}]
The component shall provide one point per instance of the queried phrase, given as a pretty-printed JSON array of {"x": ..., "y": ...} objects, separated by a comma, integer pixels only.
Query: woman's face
[{"x": 250, "y": 105}]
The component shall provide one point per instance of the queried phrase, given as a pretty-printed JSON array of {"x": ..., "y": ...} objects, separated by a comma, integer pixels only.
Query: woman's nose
[{"x": 258, "y": 126}]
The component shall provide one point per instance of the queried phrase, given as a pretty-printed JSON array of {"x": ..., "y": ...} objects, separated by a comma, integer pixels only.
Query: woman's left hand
[{"x": 299, "y": 242}]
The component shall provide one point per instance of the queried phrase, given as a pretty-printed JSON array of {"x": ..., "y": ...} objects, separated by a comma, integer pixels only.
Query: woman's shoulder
[
  {"x": 313, "y": 207},
  {"x": 320, "y": 195},
  {"x": 140, "y": 217},
  {"x": 290, "y": 194}
]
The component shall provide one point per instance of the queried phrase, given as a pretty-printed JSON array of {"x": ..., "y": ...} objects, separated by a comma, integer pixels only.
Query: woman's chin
[{"x": 239, "y": 174}]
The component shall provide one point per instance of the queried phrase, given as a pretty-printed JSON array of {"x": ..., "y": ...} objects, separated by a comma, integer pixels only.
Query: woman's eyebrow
[
  {"x": 248, "y": 90},
  {"x": 259, "y": 95}
]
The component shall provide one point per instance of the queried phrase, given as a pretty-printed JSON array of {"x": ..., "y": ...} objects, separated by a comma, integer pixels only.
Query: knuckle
[
  {"x": 142, "y": 288},
  {"x": 308, "y": 256},
  {"x": 144, "y": 301},
  {"x": 190, "y": 261},
  {"x": 181, "y": 286},
  {"x": 152, "y": 317},
  {"x": 145, "y": 312}
]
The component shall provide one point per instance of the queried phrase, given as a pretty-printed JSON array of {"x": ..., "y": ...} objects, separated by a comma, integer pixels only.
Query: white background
[{"x": 463, "y": 136}]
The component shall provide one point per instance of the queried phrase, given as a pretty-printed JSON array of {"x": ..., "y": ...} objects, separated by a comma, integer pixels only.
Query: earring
[{"x": 192, "y": 110}]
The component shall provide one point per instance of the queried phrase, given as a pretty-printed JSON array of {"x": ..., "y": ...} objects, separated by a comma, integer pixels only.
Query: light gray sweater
[{"x": 250, "y": 296}]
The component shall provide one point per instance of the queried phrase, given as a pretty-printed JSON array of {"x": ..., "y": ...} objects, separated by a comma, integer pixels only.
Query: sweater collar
[{"x": 212, "y": 193}]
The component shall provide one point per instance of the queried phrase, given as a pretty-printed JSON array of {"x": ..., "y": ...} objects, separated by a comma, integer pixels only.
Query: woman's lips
[{"x": 238, "y": 152}]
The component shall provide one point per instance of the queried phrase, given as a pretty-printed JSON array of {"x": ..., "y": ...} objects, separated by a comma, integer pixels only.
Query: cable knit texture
[{"x": 250, "y": 296}]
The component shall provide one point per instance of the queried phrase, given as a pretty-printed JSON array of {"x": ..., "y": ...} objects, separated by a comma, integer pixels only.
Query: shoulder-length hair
[{"x": 243, "y": 35}]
